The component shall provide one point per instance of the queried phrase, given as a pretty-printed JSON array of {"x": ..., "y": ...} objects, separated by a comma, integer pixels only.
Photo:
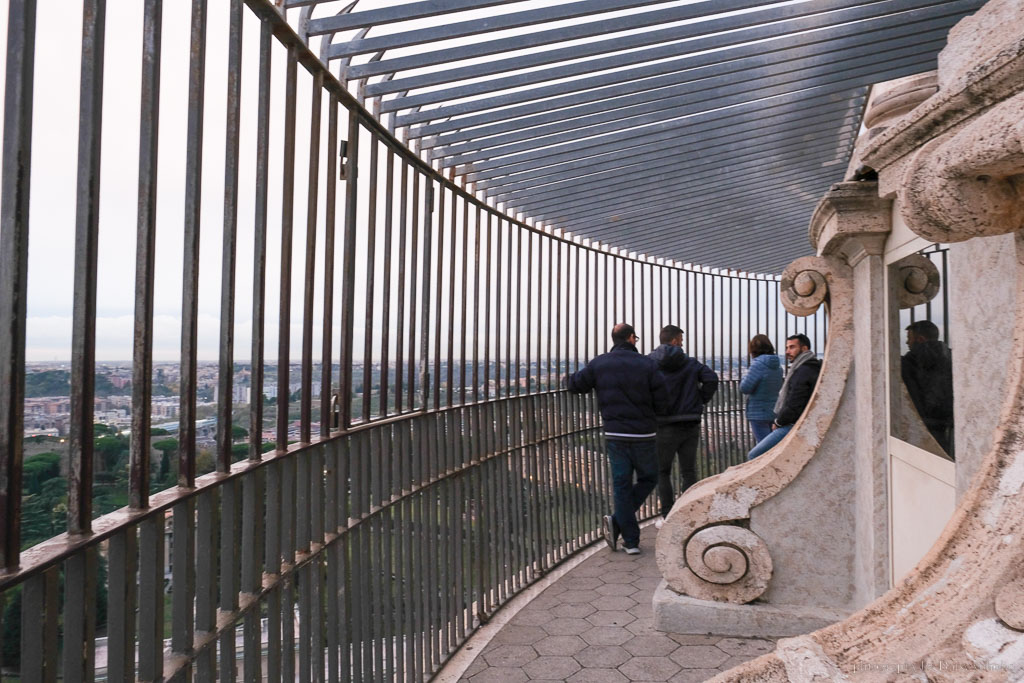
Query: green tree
[
  {"x": 238, "y": 432},
  {"x": 38, "y": 469},
  {"x": 109, "y": 450},
  {"x": 166, "y": 447}
]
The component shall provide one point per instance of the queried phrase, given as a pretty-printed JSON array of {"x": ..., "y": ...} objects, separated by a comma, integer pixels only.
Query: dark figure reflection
[{"x": 927, "y": 371}]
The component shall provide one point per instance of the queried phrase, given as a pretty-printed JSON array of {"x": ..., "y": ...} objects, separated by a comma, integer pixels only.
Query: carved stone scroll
[{"x": 705, "y": 549}]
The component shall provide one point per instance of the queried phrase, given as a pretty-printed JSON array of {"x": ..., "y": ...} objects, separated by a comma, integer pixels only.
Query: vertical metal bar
[
  {"x": 330, "y": 218},
  {"x": 260, "y": 250},
  {"x": 463, "y": 294},
  {"x": 272, "y": 566},
  {"x": 385, "y": 316},
  {"x": 476, "y": 310},
  {"x": 206, "y": 597},
  {"x": 39, "y": 620},
  {"x": 14, "y": 209},
  {"x": 529, "y": 309},
  {"x": 225, "y": 396},
  {"x": 450, "y": 375},
  {"x": 151, "y": 598},
  {"x": 508, "y": 310},
  {"x": 145, "y": 259},
  {"x": 287, "y": 220},
  {"x": 425, "y": 298},
  {"x": 230, "y": 571},
  {"x": 80, "y": 615},
  {"x": 312, "y": 194},
  {"x": 400, "y": 337},
  {"x": 348, "y": 273},
  {"x": 414, "y": 264},
  {"x": 183, "y": 578},
  {"x": 121, "y": 594},
  {"x": 371, "y": 280},
  {"x": 518, "y": 306},
  {"x": 190, "y": 274},
  {"x": 83, "y": 334},
  {"x": 441, "y": 229}
]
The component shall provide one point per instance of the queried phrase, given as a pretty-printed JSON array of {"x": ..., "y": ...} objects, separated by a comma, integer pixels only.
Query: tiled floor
[{"x": 595, "y": 624}]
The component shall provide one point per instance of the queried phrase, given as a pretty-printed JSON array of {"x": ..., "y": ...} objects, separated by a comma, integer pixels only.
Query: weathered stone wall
[{"x": 981, "y": 330}]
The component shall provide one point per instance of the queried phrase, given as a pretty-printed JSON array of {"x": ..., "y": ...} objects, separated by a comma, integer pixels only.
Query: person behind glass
[
  {"x": 631, "y": 394},
  {"x": 927, "y": 371},
  {"x": 761, "y": 384},
  {"x": 691, "y": 384},
  {"x": 795, "y": 393}
]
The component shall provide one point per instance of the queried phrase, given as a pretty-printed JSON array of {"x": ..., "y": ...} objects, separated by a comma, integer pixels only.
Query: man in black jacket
[
  {"x": 796, "y": 391},
  {"x": 691, "y": 384},
  {"x": 631, "y": 394}
]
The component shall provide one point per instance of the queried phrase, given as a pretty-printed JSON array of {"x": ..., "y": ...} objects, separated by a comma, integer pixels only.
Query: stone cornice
[
  {"x": 977, "y": 90},
  {"x": 851, "y": 221}
]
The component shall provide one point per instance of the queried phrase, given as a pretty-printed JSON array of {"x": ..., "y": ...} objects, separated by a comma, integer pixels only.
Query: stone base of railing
[{"x": 676, "y": 613}]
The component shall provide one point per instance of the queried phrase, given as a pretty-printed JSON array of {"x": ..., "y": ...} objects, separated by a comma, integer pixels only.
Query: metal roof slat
[
  {"x": 465, "y": 29},
  {"x": 813, "y": 75},
  {"x": 665, "y": 87}
]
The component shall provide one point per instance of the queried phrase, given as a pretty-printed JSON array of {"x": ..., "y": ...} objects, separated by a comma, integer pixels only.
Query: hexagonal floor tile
[
  {"x": 509, "y": 655},
  {"x": 500, "y": 675},
  {"x": 566, "y": 626},
  {"x": 651, "y": 645},
  {"x": 619, "y": 603},
  {"x": 578, "y": 611},
  {"x": 646, "y": 582},
  {"x": 607, "y": 635},
  {"x": 513, "y": 634},
  {"x": 611, "y": 618},
  {"x": 574, "y": 582},
  {"x": 643, "y": 626},
  {"x": 559, "y": 645},
  {"x": 551, "y": 668},
  {"x": 616, "y": 589},
  {"x": 694, "y": 675},
  {"x": 533, "y": 617},
  {"x": 649, "y": 669},
  {"x": 688, "y": 639},
  {"x": 578, "y": 596},
  {"x": 745, "y": 647},
  {"x": 597, "y": 676},
  {"x": 698, "y": 657},
  {"x": 601, "y": 656},
  {"x": 619, "y": 577}
]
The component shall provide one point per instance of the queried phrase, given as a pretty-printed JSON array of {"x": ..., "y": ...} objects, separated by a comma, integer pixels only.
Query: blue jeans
[
  {"x": 627, "y": 457},
  {"x": 768, "y": 442},
  {"x": 761, "y": 429}
]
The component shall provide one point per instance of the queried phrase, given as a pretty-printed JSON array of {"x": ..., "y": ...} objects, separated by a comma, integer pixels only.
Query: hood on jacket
[
  {"x": 769, "y": 360},
  {"x": 669, "y": 357}
]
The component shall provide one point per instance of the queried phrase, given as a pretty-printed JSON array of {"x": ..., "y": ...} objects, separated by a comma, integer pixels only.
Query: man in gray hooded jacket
[{"x": 691, "y": 384}]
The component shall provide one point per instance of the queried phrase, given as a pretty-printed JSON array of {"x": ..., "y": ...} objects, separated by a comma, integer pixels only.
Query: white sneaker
[
  {"x": 632, "y": 551},
  {"x": 660, "y": 523}
]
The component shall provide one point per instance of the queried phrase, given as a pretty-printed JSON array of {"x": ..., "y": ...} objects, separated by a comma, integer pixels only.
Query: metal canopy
[{"x": 699, "y": 132}]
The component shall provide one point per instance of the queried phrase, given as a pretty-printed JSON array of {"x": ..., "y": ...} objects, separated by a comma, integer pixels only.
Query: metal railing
[{"x": 437, "y": 468}]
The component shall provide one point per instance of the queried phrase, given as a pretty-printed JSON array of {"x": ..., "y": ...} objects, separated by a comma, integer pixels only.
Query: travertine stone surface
[
  {"x": 982, "y": 305},
  {"x": 726, "y": 500},
  {"x": 945, "y": 620}
]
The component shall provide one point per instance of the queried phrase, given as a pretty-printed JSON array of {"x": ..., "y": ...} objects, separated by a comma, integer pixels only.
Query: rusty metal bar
[
  {"x": 190, "y": 274},
  {"x": 287, "y": 225},
  {"x": 312, "y": 195},
  {"x": 83, "y": 333}
]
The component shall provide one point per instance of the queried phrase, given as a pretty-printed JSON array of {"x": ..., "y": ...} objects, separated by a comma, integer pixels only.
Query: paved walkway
[{"x": 595, "y": 624}]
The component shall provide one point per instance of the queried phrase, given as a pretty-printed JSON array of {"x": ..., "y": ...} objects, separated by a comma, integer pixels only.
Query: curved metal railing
[{"x": 424, "y": 468}]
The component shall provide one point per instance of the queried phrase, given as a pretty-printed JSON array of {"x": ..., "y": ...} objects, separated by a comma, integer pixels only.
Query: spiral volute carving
[
  {"x": 917, "y": 280},
  {"x": 727, "y": 562},
  {"x": 804, "y": 285}
]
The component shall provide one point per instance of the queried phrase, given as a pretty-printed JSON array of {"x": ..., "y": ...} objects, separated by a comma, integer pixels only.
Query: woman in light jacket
[{"x": 762, "y": 382}]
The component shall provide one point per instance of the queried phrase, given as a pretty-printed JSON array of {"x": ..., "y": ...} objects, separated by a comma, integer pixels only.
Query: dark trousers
[
  {"x": 676, "y": 439},
  {"x": 627, "y": 458}
]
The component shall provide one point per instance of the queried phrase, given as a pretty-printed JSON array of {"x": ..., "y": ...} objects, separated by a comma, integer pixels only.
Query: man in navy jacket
[
  {"x": 631, "y": 394},
  {"x": 691, "y": 384}
]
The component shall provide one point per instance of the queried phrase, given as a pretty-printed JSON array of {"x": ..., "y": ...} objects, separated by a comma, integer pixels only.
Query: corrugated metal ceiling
[{"x": 700, "y": 132}]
